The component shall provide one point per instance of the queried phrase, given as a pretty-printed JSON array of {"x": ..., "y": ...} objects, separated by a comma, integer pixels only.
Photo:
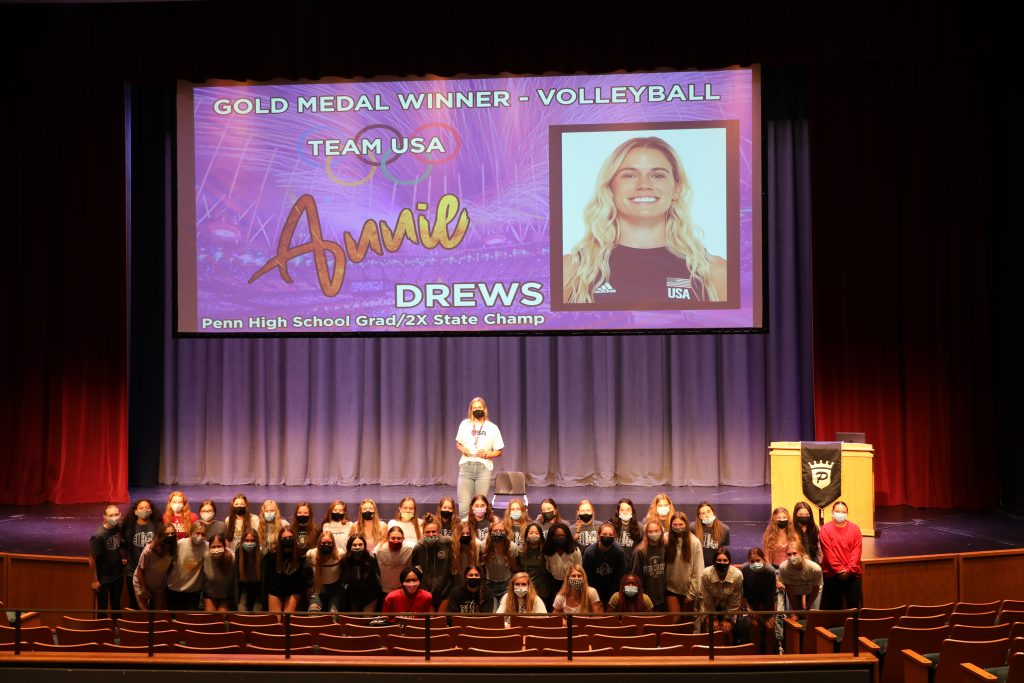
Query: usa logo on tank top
[{"x": 679, "y": 288}]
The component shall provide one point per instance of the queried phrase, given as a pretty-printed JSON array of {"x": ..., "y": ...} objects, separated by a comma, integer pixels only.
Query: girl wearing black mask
[
  {"x": 337, "y": 522},
  {"x": 360, "y": 576},
  {"x": 585, "y": 532},
  {"x": 472, "y": 596},
  {"x": 560, "y": 551},
  {"x": 807, "y": 530},
  {"x": 465, "y": 549},
  {"x": 548, "y": 515},
  {"x": 370, "y": 525},
  {"x": 239, "y": 521},
  {"x": 532, "y": 561},
  {"x": 325, "y": 561},
  {"x": 283, "y": 574},
  {"x": 304, "y": 527},
  {"x": 446, "y": 516}
]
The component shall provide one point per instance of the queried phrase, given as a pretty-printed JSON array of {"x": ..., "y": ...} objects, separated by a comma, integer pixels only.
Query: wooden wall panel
[
  {"x": 919, "y": 580},
  {"x": 3, "y": 577},
  {"x": 992, "y": 575}
]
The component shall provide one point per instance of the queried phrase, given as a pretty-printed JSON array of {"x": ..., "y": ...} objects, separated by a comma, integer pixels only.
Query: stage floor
[{"x": 65, "y": 529}]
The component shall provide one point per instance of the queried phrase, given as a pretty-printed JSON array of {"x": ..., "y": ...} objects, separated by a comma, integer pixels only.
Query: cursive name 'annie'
[{"x": 375, "y": 236}]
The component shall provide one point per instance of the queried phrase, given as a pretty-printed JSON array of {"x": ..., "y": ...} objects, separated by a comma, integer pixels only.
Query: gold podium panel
[{"x": 858, "y": 485}]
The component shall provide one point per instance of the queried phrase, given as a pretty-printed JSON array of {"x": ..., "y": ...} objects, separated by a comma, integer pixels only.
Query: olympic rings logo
[{"x": 385, "y": 164}]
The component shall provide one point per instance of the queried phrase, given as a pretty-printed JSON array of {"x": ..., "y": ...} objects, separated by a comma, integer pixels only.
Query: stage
[{"x": 65, "y": 529}]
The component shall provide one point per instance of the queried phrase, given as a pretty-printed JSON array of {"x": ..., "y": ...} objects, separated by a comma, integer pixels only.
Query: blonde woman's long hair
[
  {"x": 510, "y": 599},
  {"x": 683, "y": 237}
]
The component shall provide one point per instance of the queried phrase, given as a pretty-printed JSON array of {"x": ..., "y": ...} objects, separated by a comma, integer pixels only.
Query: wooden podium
[{"x": 858, "y": 481}]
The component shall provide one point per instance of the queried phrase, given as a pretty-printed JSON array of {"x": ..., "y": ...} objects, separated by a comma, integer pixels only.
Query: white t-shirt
[{"x": 486, "y": 438}]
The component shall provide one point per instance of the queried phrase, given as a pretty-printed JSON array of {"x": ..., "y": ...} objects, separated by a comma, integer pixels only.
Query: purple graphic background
[{"x": 249, "y": 169}]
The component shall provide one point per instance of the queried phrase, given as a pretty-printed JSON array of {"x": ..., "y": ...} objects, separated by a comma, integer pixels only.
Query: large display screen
[{"x": 614, "y": 203}]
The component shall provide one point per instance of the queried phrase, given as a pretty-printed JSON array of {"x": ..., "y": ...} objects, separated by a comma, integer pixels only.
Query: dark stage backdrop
[{"x": 904, "y": 112}]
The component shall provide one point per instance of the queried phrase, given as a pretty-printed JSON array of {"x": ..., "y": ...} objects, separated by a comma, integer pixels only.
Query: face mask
[
  {"x": 708, "y": 521},
  {"x": 678, "y": 533},
  {"x": 839, "y": 517},
  {"x": 249, "y": 545},
  {"x": 630, "y": 591},
  {"x": 302, "y": 519},
  {"x": 576, "y": 583},
  {"x": 395, "y": 545},
  {"x": 479, "y": 512},
  {"x": 177, "y": 507},
  {"x": 662, "y": 510},
  {"x": 757, "y": 565},
  {"x": 625, "y": 517},
  {"x": 586, "y": 517},
  {"x": 337, "y": 516},
  {"x": 607, "y": 541},
  {"x": 560, "y": 541},
  {"x": 239, "y": 511},
  {"x": 114, "y": 520},
  {"x": 464, "y": 540},
  {"x": 721, "y": 568},
  {"x": 498, "y": 537},
  {"x": 367, "y": 515},
  {"x": 804, "y": 519},
  {"x": 206, "y": 516},
  {"x": 326, "y": 549},
  {"x": 287, "y": 544},
  {"x": 170, "y": 543},
  {"x": 472, "y": 583},
  {"x": 356, "y": 552},
  {"x": 270, "y": 516},
  {"x": 548, "y": 516},
  {"x": 430, "y": 540},
  {"x": 197, "y": 540},
  {"x": 216, "y": 552},
  {"x": 478, "y": 414},
  {"x": 411, "y": 586},
  {"x": 515, "y": 515},
  {"x": 782, "y": 523},
  {"x": 521, "y": 591},
  {"x": 653, "y": 538},
  {"x": 143, "y": 514},
  {"x": 796, "y": 561},
  {"x": 533, "y": 540},
  {"x": 446, "y": 515}
]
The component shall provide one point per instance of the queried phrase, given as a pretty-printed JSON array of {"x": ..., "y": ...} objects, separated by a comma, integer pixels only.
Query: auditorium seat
[
  {"x": 420, "y": 631},
  {"x": 1008, "y": 616},
  {"x": 77, "y": 647},
  {"x": 312, "y": 620},
  {"x": 257, "y": 650},
  {"x": 558, "y": 652},
  {"x": 883, "y": 612},
  {"x": 86, "y": 624},
  {"x": 438, "y": 621},
  {"x": 973, "y": 618},
  {"x": 317, "y": 631},
  {"x": 372, "y": 652},
  {"x": 137, "y": 649},
  {"x": 969, "y": 607},
  {"x": 439, "y": 642},
  {"x": 477, "y": 652},
  {"x": 724, "y": 650},
  {"x": 28, "y": 634},
  {"x": 579, "y": 642},
  {"x": 206, "y": 639},
  {"x": 415, "y": 652},
  {"x": 841, "y": 639},
  {"x": 252, "y": 619},
  {"x": 670, "y": 651},
  {"x": 976, "y": 633},
  {"x": 922, "y": 622},
  {"x": 277, "y": 640},
  {"x": 478, "y": 620},
  {"x": 618, "y": 642},
  {"x": 357, "y": 621},
  {"x": 205, "y": 627},
  {"x": 1013, "y": 672},
  {"x": 946, "y": 668},
  {"x": 795, "y": 640},
  {"x": 272, "y": 628},
  {"x": 357, "y": 630},
  {"x": 595, "y": 620},
  {"x": 685, "y": 627},
  {"x": 199, "y": 650},
  {"x": 535, "y": 621},
  {"x": 688, "y": 640},
  {"x": 500, "y": 631},
  {"x": 350, "y": 643},
  {"x": 507, "y": 643},
  {"x": 929, "y": 610},
  {"x": 900, "y": 638},
  {"x": 594, "y": 629},
  {"x": 202, "y": 618},
  {"x": 74, "y": 636},
  {"x": 141, "y": 638},
  {"x": 552, "y": 631},
  {"x": 650, "y": 618},
  {"x": 139, "y": 622}
]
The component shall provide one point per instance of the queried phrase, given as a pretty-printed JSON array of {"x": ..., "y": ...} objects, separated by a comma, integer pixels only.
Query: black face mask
[
  {"x": 238, "y": 511},
  {"x": 548, "y": 516},
  {"x": 782, "y": 523},
  {"x": 607, "y": 541},
  {"x": 678, "y": 533},
  {"x": 464, "y": 540},
  {"x": 368, "y": 515},
  {"x": 287, "y": 544},
  {"x": 498, "y": 538},
  {"x": 356, "y": 552},
  {"x": 586, "y": 518},
  {"x": 478, "y": 414},
  {"x": 446, "y": 515},
  {"x": 326, "y": 549},
  {"x": 302, "y": 519},
  {"x": 560, "y": 541},
  {"x": 721, "y": 568},
  {"x": 337, "y": 516},
  {"x": 803, "y": 520},
  {"x": 473, "y": 583},
  {"x": 170, "y": 543}
]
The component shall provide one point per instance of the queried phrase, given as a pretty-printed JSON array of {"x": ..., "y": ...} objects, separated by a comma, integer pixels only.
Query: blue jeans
[{"x": 474, "y": 480}]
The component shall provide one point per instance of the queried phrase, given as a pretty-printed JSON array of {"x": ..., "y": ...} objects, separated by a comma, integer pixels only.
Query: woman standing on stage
[
  {"x": 840, "y": 560},
  {"x": 479, "y": 442},
  {"x": 336, "y": 521},
  {"x": 370, "y": 525}
]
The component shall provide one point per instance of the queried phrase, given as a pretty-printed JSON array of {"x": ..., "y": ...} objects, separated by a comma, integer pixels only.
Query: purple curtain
[{"x": 645, "y": 410}]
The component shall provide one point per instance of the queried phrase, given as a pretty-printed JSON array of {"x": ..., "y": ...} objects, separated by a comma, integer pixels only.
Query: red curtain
[
  {"x": 64, "y": 359},
  {"x": 901, "y": 254}
]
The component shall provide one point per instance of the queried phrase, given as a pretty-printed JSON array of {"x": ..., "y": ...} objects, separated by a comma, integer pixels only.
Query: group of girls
[{"x": 512, "y": 563}]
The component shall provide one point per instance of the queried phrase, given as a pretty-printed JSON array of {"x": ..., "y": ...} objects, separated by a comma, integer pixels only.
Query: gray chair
[{"x": 508, "y": 485}]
